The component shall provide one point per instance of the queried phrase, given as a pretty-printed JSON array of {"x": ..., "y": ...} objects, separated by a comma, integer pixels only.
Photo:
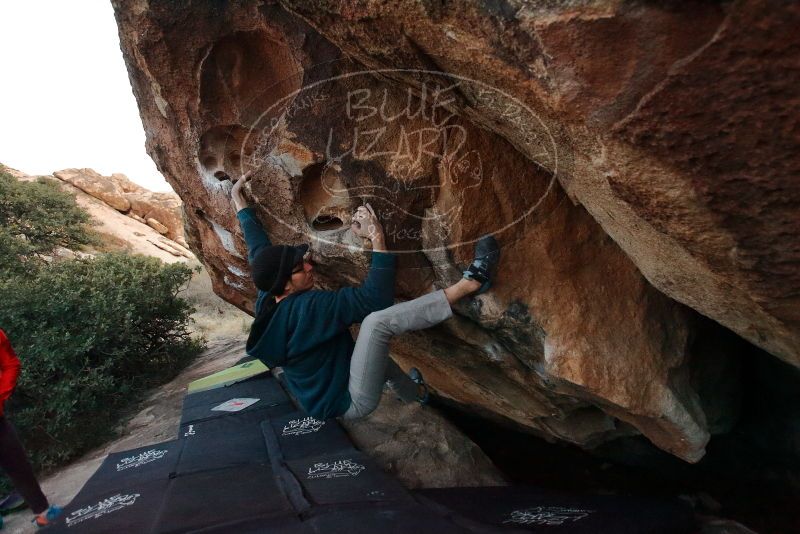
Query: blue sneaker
[
  {"x": 13, "y": 501},
  {"x": 484, "y": 266},
  {"x": 48, "y": 516},
  {"x": 423, "y": 396}
]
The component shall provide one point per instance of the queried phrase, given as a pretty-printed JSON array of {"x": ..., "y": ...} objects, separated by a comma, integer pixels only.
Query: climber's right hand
[{"x": 365, "y": 224}]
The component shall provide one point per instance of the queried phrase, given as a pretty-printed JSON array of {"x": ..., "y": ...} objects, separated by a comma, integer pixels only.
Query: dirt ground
[{"x": 214, "y": 317}]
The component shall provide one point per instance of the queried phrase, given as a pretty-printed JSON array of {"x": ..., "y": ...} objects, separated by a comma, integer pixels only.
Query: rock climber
[{"x": 306, "y": 331}]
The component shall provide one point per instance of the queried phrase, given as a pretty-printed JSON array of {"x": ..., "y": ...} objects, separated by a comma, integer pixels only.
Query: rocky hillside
[
  {"x": 637, "y": 163},
  {"x": 125, "y": 215},
  {"x": 159, "y": 211}
]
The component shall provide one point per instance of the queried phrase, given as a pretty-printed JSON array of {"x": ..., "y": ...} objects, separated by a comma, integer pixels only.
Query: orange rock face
[
  {"x": 93, "y": 183},
  {"x": 577, "y": 136},
  {"x": 161, "y": 211}
]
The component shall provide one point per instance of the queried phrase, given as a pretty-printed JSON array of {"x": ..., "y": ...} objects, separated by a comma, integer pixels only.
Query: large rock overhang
[{"x": 526, "y": 137}]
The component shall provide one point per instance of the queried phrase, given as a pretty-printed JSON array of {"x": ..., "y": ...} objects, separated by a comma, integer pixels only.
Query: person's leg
[
  {"x": 371, "y": 353},
  {"x": 15, "y": 463},
  {"x": 401, "y": 383},
  {"x": 461, "y": 289},
  {"x": 397, "y": 379},
  {"x": 368, "y": 366}
]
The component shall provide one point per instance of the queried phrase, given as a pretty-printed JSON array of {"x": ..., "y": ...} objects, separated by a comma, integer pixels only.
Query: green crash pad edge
[{"x": 228, "y": 376}]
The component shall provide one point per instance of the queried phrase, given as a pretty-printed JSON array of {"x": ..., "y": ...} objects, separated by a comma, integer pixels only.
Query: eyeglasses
[{"x": 300, "y": 267}]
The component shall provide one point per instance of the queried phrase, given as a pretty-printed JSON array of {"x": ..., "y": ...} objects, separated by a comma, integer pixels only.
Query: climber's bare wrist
[{"x": 239, "y": 204}]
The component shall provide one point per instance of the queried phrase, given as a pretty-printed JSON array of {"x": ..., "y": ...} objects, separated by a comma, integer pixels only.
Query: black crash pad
[
  {"x": 408, "y": 518},
  {"x": 301, "y": 436},
  {"x": 263, "y": 386},
  {"x": 224, "y": 442},
  {"x": 192, "y": 428},
  {"x": 346, "y": 477},
  {"x": 199, "y": 406},
  {"x": 130, "y": 510},
  {"x": 222, "y": 496},
  {"x": 260, "y": 525},
  {"x": 272, "y": 468},
  {"x": 122, "y": 470},
  {"x": 538, "y": 510}
]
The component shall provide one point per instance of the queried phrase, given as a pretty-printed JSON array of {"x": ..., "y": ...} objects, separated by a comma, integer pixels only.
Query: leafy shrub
[
  {"x": 92, "y": 334},
  {"x": 35, "y": 218}
]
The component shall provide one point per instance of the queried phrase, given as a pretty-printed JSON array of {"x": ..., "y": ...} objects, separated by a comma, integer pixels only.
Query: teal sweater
[{"x": 308, "y": 334}]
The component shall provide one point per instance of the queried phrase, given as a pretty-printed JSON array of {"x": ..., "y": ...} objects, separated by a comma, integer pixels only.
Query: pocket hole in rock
[
  {"x": 324, "y": 198},
  {"x": 326, "y": 222}
]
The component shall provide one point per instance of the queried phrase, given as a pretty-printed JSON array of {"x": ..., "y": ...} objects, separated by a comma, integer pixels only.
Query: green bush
[
  {"x": 35, "y": 218},
  {"x": 92, "y": 334}
]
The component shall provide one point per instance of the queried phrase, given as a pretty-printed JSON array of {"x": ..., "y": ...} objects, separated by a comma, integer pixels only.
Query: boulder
[
  {"x": 93, "y": 183},
  {"x": 675, "y": 126},
  {"x": 421, "y": 448},
  {"x": 157, "y": 226},
  {"x": 544, "y": 126},
  {"x": 125, "y": 183},
  {"x": 119, "y": 192},
  {"x": 163, "y": 208}
]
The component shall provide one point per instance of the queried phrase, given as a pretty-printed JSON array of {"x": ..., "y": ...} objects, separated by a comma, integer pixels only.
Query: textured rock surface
[
  {"x": 93, "y": 183},
  {"x": 421, "y": 447},
  {"x": 680, "y": 122},
  {"x": 161, "y": 211},
  {"x": 125, "y": 183},
  {"x": 163, "y": 208},
  {"x": 574, "y": 343},
  {"x": 157, "y": 226}
]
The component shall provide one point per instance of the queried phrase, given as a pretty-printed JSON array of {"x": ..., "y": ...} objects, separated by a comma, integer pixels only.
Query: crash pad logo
[
  {"x": 416, "y": 154},
  {"x": 104, "y": 507},
  {"x": 298, "y": 427},
  {"x": 547, "y": 515},
  {"x": 337, "y": 469},
  {"x": 140, "y": 459},
  {"x": 189, "y": 431}
]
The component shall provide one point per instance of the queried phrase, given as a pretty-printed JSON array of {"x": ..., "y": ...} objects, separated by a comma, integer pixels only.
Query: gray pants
[{"x": 371, "y": 366}]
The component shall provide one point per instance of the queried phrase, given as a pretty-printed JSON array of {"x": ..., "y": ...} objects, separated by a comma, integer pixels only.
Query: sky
[{"x": 65, "y": 98}]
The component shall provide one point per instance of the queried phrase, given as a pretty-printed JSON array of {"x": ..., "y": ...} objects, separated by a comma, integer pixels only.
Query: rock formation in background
[
  {"x": 160, "y": 211},
  {"x": 636, "y": 162},
  {"x": 118, "y": 228}
]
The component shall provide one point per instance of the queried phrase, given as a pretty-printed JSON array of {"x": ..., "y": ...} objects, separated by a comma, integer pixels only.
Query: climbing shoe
[
  {"x": 48, "y": 516},
  {"x": 483, "y": 267},
  {"x": 13, "y": 501},
  {"x": 423, "y": 396}
]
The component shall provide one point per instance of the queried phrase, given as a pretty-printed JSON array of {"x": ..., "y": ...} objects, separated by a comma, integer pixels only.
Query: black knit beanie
[{"x": 272, "y": 266}]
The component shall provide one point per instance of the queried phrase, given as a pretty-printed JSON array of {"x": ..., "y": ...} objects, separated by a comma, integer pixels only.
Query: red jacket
[{"x": 9, "y": 369}]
